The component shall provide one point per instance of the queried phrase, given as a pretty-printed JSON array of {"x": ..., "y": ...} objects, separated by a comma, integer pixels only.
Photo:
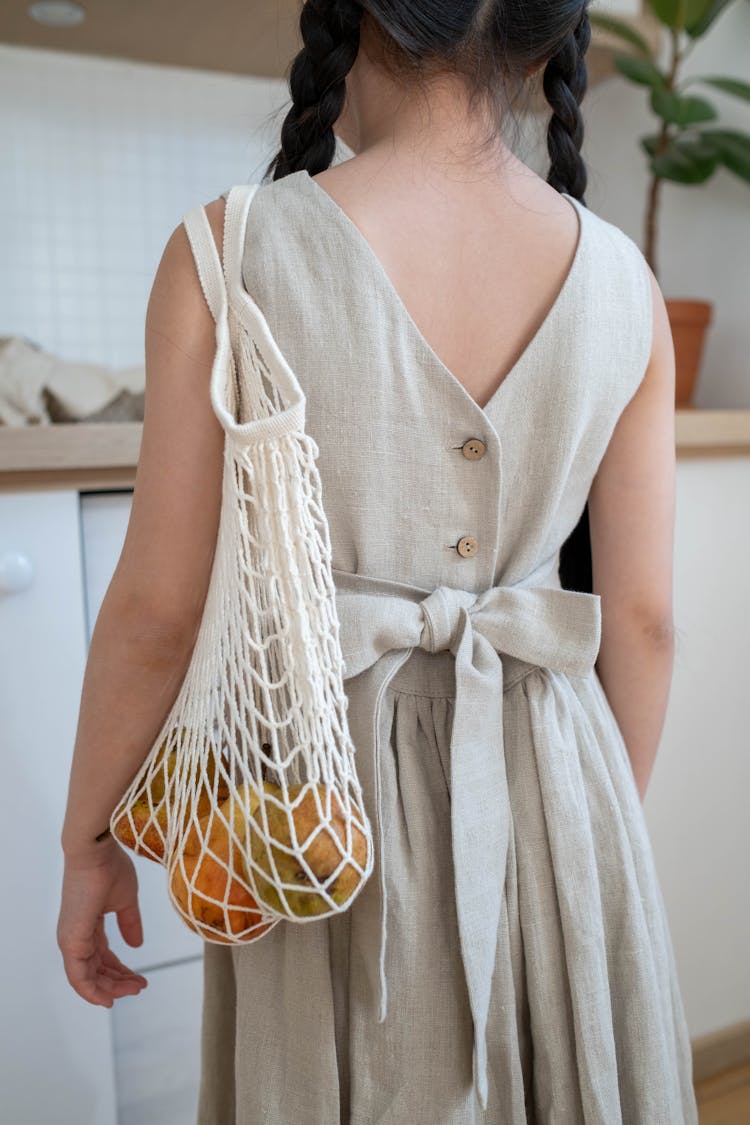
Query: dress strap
[{"x": 215, "y": 281}]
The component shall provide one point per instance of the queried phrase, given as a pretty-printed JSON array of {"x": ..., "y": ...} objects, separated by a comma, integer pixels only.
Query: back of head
[{"x": 495, "y": 46}]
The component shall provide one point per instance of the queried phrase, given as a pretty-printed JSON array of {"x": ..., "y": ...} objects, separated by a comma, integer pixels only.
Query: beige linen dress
[{"x": 509, "y": 961}]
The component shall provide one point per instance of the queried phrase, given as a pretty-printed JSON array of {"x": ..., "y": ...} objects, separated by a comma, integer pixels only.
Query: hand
[{"x": 92, "y": 886}]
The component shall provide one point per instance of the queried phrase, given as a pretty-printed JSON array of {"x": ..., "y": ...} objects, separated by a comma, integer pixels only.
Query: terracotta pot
[{"x": 689, "y": 321}]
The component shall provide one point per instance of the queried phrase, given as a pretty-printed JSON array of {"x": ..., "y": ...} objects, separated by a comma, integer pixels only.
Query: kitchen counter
[{"x": 104, "y": 455}]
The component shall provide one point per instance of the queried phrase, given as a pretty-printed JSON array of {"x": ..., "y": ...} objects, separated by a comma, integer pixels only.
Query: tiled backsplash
[{"x": 100, "y": 160}]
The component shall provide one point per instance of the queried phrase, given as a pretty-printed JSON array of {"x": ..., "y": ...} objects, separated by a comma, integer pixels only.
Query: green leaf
[
  {"x": 734, "y": 86},
  {"x": 731, "y": 147},
  {"x": 685, "y": 162},
  {"x": 681, "y": 13},
  {"x": 699, "y": 24},
  {"x": 640, "y": 70},
  {"x": 696, "y": 145},
  {"x": 681, "y": 109},
  {"x": 666, "y": 11},
  {"x": 622, "y": 29}
]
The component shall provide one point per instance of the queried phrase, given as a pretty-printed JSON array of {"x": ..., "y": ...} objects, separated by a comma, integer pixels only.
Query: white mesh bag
[{"x": 249, "y": 796}]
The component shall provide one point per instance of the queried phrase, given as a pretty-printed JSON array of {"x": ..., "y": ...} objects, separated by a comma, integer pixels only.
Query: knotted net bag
[{"x": 249, "y": 796}]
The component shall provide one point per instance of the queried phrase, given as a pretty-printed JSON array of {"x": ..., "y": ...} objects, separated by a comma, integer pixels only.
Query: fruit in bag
[
  {"x": 203, "y": 850},
  {"x": 321, "y": 854},
  {"x": 139, "y": 828}
]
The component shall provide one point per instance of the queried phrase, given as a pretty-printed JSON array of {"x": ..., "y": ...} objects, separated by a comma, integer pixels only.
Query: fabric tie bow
[{"x": 381, "y": 622}]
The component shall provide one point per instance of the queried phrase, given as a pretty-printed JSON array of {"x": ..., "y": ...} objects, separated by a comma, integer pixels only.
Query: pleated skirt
[{"x": 586, "y": 1021}]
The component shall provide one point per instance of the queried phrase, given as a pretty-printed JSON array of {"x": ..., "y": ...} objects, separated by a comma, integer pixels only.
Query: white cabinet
[
  {"x": 63, "y": 1060},
  {"x": 157, "y": 1047},
  {"x": 56, "y": 1058},
  {"x": 697, "y": 801},
  {"x": 156, "y": 1034}
]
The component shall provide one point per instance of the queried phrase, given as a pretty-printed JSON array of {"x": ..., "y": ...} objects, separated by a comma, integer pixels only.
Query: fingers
[
  {"x": 129, "y": 921},
  {"x": 79, "y": 958},
  {"x": 116, "y": 987},
  {"x": 102, "y": 984},
  {"x": 96, "y": 973},
  {"x": 113, "y": 964},
  {"x": 86, "y": 982}
]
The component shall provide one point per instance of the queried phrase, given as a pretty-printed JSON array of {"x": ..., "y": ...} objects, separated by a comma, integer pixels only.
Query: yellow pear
[{"x": 321, "y": 854}]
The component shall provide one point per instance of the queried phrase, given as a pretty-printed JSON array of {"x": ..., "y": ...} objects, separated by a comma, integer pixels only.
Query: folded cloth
[
  {"x": 38, "y": 387},
  {"x": 124, "y": 407}
]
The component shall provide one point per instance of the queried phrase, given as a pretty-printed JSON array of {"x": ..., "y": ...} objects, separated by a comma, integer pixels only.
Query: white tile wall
[
  {"x": 627, "y": 8},
  {"x": 100, "y": 160}
]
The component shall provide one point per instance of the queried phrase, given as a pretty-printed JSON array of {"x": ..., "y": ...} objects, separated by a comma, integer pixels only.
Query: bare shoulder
[
  {"x": 178, "y": 255},
  {"x": 177, "y": 307}
]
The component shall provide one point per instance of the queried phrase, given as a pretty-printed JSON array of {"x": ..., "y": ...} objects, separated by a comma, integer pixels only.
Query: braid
[
  {"x": 565, "y": 80},
  {"x": 330, "y": 36}
]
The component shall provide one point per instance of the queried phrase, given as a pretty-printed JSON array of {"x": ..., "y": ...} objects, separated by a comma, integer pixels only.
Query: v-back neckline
[{"x": 411, "y": 325}]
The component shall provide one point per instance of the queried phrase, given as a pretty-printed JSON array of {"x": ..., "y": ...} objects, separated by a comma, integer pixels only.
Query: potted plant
[{"x": 684, "y": 149}]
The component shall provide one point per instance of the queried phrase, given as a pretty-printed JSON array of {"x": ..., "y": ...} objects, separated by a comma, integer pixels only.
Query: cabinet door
[
  {"x": 158, "y": 1047},
  {"x": 56, "y": 1059},
  {"x": 157, "y": 1033}
]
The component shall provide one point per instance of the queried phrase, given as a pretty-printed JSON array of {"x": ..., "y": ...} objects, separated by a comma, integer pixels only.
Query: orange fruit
[
  {"x": 208, "y": 877},
  {"x": 136, "y": 829}
]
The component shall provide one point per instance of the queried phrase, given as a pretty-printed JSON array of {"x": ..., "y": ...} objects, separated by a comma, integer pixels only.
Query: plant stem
[
  {"x": 654, "y": 191},
  {"x": 649, "y": 252}
]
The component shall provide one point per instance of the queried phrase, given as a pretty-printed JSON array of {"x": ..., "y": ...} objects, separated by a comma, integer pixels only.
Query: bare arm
[
  {"x": 146, "y": 628},
  {"x": 631, "y": 521}
]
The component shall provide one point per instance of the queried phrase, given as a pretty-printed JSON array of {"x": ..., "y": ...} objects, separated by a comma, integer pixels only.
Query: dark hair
[{"x": 494, "y": 44}]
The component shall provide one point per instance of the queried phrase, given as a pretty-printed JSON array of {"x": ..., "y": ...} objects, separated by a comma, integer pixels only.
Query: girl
[{"x": 490, "y": 380}]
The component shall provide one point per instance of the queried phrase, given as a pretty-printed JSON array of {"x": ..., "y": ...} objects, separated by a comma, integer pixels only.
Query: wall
[
  {"x": 101, "y": 159},
  {"x": 703, "y": 248}
]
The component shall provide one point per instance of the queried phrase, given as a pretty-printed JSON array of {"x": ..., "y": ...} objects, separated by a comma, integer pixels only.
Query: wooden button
[
  {"x": 467, "y": 546},
  {"x": 473, "y": 449}
]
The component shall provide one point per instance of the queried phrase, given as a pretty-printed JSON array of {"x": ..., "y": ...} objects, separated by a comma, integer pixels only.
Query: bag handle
[
  {"x": 230, "y": 303},
  {"x": 215, "y": 281}
]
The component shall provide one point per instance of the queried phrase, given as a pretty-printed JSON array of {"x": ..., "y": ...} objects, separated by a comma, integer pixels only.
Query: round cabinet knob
[
  {"x": 473, "y": 449},
  {"x": 16, "y": 572},
  {"x": 467, "y": 546}
]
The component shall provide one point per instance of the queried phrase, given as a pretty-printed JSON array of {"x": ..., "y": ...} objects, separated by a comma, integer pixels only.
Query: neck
[{"x": 417, "y": 126}]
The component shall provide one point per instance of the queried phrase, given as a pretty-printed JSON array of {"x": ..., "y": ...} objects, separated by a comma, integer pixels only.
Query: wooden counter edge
[{"x": 103, "y": 456}]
